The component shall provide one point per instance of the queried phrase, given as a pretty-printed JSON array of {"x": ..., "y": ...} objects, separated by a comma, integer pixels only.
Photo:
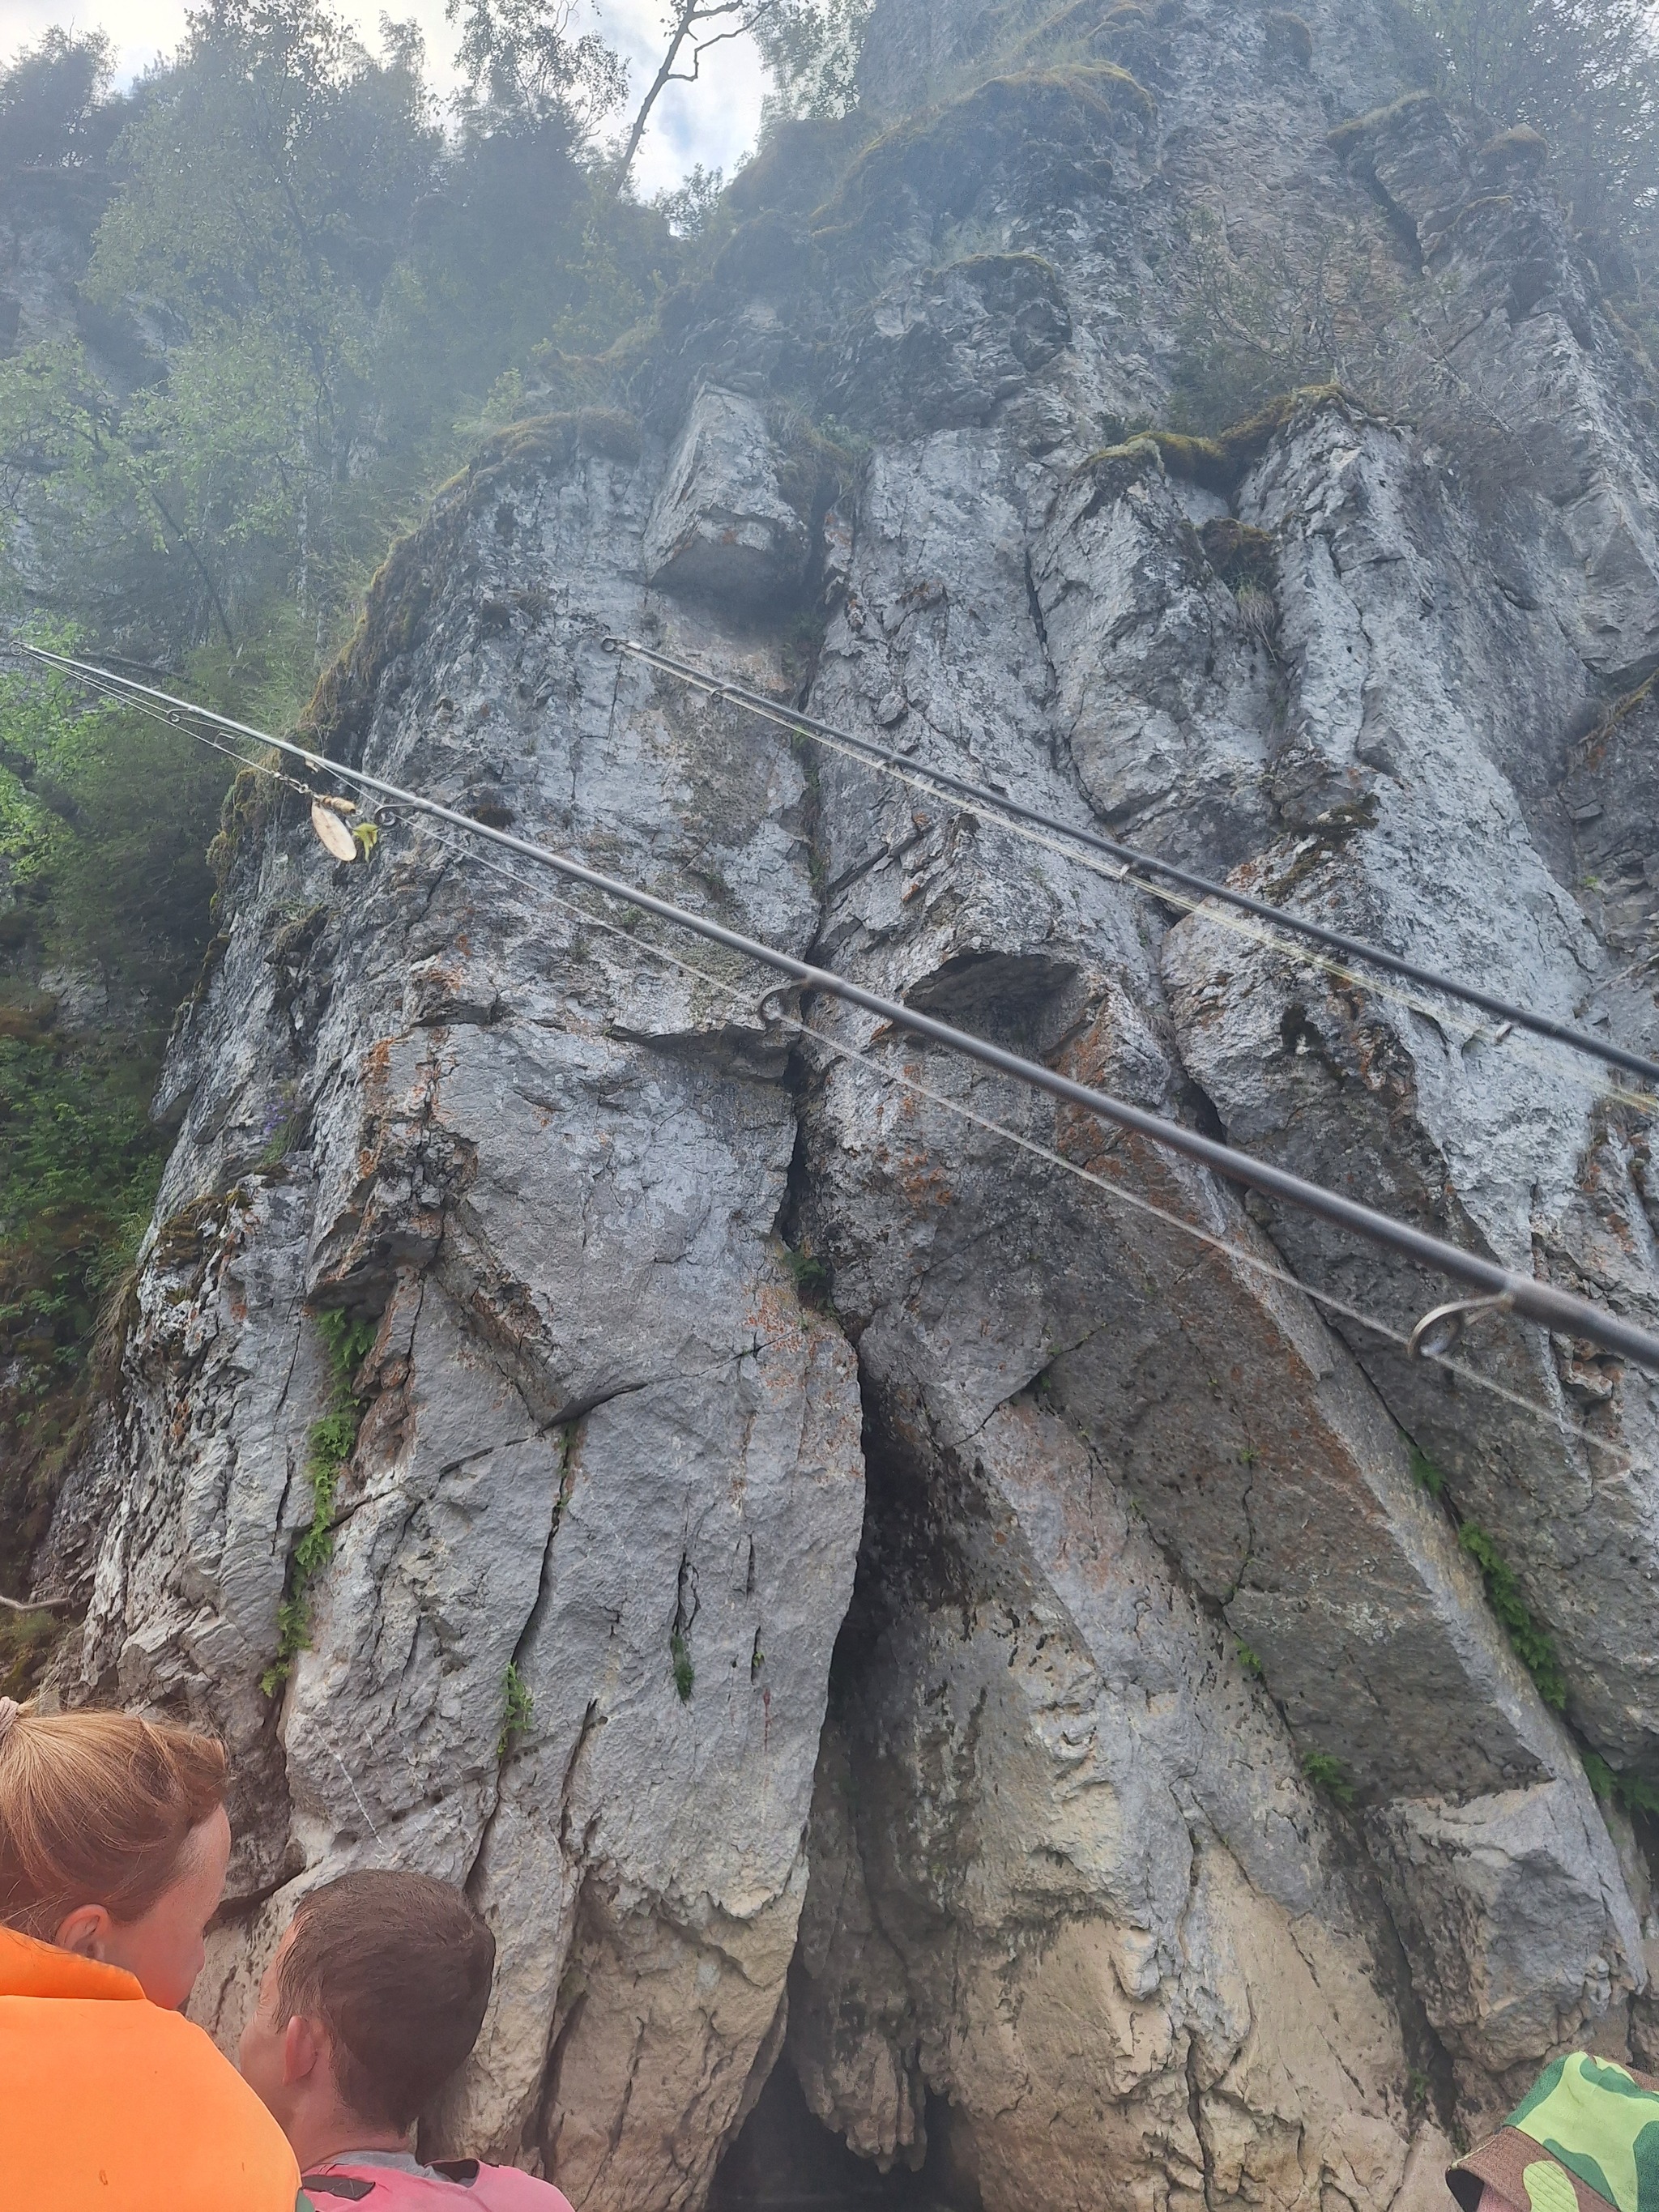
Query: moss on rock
[
  {"x": 944, "y": 157},
  {"x": 402, "y": 588},
  {"x": 1216, "y": 464},
  {"x": 1114, "y": 468},
  {"x": 1243, "y": 556},
  {"x": 1348, "y": 137},
  {"x": 1521, "y": 149}
]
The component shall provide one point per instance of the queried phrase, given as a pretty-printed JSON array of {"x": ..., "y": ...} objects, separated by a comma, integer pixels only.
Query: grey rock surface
[
  {"x": 721, "y": 524},
  {"x": 1174, "y": 1790}
]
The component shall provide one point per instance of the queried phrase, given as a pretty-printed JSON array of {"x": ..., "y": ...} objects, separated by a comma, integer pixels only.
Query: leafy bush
[{"x": 103, "y": 818}]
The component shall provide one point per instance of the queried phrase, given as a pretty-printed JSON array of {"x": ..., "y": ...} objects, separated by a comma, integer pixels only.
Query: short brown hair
[
  {"x": 397, "y": 1968},
  {"x": 96, "y": 1809}
]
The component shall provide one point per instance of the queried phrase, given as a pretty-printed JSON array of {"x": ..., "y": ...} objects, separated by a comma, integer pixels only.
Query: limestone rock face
[
  {"x": 1045, "y": 1732},
  {"x": 719, "y": 523},
  {"x": 1175, "y": 1789},
  {"x": 604, "y": 1447}
]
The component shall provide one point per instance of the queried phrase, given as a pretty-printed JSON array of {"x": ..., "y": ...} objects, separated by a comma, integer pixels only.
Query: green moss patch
[
  {"x": 942, "y": 159},
  {"x": 330, "y": 1444},
  {"x": 1113, "y": 33},
  {"x": 1114, "y": 468},
  {"x": 1289, "y": 38},
  {"x": 1521, "y": 147},
  {"x": 1415, "y": 107}
]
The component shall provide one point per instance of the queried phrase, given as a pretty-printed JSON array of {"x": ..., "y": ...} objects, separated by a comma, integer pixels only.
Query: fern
[
  {"x": 1531, "y": 1644},
  {"x": 350, "y": 1338},
  {"x": 1632, "y": 1791},
  {"x": 1425, "y": 1475},
  {"x": 1329, "y": 1775}
]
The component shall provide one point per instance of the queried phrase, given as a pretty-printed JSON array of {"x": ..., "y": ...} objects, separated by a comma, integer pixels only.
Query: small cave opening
[{"x": 785, "y": 2160}]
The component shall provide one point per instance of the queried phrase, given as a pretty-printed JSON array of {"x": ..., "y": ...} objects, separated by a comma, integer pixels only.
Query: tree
[
  {"x": 1584, "y": 73},
  {"x": 694, "y": 28},
  {"x": 811, "y": 50},
  {"x": 53, "y": 111},
  {"x": 523, "y": 69},
  {"x": 266, "y": 192}
]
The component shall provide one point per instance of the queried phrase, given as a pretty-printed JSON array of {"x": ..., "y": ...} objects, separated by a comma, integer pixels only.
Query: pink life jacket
[{"x": 459, "y": 2185}]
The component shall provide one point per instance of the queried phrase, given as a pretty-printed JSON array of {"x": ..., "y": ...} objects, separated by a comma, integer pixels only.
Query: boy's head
[{"x": 373, "y": 1999}]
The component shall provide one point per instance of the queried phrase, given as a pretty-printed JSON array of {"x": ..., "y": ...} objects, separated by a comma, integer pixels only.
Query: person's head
[
  {"x": 113, "y": 1840},
  {"x": 373, "y": 1999},
  {"x": 1582, "y": 2116}
]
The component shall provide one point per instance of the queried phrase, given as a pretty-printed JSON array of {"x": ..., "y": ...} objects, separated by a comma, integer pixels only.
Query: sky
[{"x": 713, "y": 121}]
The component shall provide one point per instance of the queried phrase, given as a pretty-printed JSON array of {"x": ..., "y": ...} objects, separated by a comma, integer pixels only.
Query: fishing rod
[
  {"x": 1500, "y": 1288},
  {"x": 1134, "y": 863}
]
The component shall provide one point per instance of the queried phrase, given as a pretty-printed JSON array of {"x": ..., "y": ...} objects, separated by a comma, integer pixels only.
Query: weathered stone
[
  {"x": 720, "y": 524},
  {"x": 1127, "y": 1954},
  {"x": 602, "y": 1444},
  {"x": 1168, "y": 1558}
]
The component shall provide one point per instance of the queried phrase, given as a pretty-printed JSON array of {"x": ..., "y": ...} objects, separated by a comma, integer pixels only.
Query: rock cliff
[{"x": 847, "y": 1596}]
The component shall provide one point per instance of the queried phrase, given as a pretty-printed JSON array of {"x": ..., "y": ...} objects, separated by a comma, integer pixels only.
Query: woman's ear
[
  {"x": 85, "y": 1931},
  {"x": 301, "y": 2050}
]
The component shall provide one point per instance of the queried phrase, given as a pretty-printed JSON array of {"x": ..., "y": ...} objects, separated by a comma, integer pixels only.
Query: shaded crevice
[
  {"x": 1200, "y": 2126},
  {"x": 785, "y": 2160},
  {"x": 510, "y": 1741}
]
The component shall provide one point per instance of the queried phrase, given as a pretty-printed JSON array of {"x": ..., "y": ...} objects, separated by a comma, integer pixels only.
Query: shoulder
[
  {"x": 504, "y": 2189},
  {"x": 124, "y": 2103}
]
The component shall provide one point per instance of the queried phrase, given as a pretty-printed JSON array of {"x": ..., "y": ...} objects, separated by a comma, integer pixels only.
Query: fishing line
[
  {"x": 1178, "y": 887},
  {"x": 1538, "y": 1300},
  {"x": 1551, "y": 1417},
  {"x": 1115, "y": 1193}
]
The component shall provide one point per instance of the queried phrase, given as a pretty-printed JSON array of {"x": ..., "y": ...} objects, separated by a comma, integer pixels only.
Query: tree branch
[
  {"x": 201, "y": 566},
  {"x": 689, "y": 14}
]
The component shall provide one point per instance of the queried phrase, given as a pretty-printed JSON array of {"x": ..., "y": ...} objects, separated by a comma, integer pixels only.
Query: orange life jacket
[{"x": 108, "y": 2104}]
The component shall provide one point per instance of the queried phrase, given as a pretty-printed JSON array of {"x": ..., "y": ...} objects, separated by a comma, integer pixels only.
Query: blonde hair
[{"x": 96, "y": 1809}]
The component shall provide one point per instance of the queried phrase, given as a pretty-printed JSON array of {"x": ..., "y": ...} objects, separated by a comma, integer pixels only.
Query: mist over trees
[
  {"x": 300, "y": 287},
  {"x": 1584, "y": 73}
]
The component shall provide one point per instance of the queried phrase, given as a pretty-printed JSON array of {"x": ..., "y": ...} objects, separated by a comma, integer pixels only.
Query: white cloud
[{"x": 713, "y": 121}]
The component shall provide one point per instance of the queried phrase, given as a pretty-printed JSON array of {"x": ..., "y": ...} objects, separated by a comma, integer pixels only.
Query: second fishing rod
[
  {"x": 1145, "y": 870},
  {"x": 1539, "y": 1302}
]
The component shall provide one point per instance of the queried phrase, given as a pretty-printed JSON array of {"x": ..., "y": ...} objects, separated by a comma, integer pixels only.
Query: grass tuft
[
  {"x": 520, "y": 1708},
  {"x": 329, "y": 1444},
  {"x": 684, "y": 1672},
  {"x": 1329, "y": 1775}
]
